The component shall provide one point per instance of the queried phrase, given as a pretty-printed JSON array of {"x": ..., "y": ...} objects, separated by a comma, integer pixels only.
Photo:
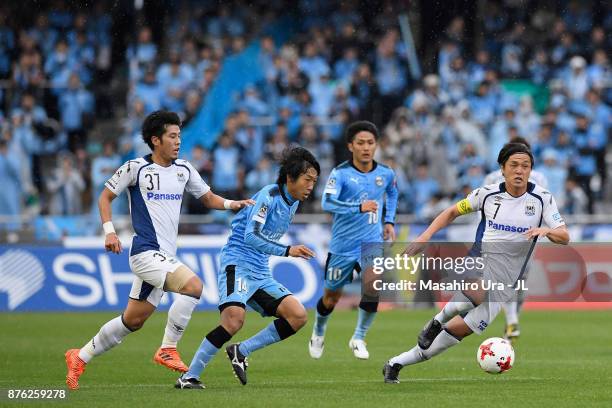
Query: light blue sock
[
  {"x": 322, "y": 316},
  {"x": 364, "y": 321},
  {"x": 264, "y": 338},
  {"x": 320, "y": 324},
  {"x": 205, "y": 353}
]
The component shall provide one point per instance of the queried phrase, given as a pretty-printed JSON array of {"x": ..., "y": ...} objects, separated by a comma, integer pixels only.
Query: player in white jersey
[
  {"x": 512, "y": 216},
  {"x": 512, "y": 308},
  {"x": 155, "y": 185}
]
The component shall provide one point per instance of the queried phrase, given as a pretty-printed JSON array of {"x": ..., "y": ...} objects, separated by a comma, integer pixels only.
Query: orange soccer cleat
[
  {"x": 170, "y": 358},
  {"x": 75, "y": 366}
]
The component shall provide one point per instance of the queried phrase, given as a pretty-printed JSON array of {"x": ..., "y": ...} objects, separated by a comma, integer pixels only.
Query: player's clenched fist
[
  {"x": 369, "y": 206},
  {"x": 301, "y": 251},
  {"x": 112, "y": 243}
]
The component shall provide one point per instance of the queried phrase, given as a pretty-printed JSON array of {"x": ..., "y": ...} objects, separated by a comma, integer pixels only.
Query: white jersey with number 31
[{"x": 155, "y": 197}]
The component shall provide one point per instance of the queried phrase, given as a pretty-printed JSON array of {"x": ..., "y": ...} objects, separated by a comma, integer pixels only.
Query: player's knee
[
  {"x": 232, "y": 321},
  {"x": 331, "y": 299},
  {"x": 134, "y": 322},
  {"x": 193, "y": 287},
  {"x": 298, "y": 318}
]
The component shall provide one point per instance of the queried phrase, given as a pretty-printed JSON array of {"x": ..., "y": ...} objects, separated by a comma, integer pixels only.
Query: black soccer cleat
[
  {"x": 429, "y": 333},
  {"x": 188, "y": 384},
  {"x": 239, "y": 362},
  {"x": 391, "y": 373}
]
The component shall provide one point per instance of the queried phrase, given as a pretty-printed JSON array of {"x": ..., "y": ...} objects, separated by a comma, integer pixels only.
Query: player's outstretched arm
[
  {"x": 211, "y": 200},
  {"x": 444, "y": 219},
  {"x": 111, "y": 240},
  {"x": 441, "y": 221}
]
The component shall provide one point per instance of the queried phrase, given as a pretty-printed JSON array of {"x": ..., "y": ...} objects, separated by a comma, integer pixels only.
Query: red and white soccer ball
[{"x": 495, "y": 355}]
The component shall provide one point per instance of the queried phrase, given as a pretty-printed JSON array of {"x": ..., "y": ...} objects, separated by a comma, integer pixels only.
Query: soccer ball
[{"x": 495, "y": 355}]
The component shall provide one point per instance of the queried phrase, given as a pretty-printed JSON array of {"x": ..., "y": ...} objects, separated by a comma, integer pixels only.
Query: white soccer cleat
[
  {"x": 359, "y": 349},
  {"x": 316, "y": 346}
]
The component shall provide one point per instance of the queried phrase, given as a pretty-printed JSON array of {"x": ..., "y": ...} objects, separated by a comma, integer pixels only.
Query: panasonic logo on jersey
[
  {"x": 162, "y": 196},
  {"x": 504, "y": 227}
]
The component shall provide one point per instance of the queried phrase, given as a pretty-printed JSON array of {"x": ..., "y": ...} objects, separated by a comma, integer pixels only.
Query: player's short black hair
[
  {"x": 512, "y": 148},
  {"x": 295, "y": 162},
  {"x": 360, "y": 126},
  {"x": 155, "y": 125}
]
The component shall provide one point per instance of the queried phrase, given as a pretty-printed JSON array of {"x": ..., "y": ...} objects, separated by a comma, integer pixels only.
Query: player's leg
[
  {"x": 512, "y": 309},
  {"x": 459, "y": 304},
  {"x": 183, "y": 281},
  {"x": 475, "y": 321},
  {"x": 144, "y": 298},
  {"x": 232, "y": 319},
  {"x": 325, "y": 306},
  {"x": 338, "y": 272},
  {"x": 368, "y": 306},
  {"x": 270, "y": 299},
  {"x": 232, "y": 299},
  {"x": 291, "y": 317},
  {"x": 511, "y": 331}
]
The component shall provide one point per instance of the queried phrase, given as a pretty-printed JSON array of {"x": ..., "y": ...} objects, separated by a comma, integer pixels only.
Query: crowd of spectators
[{"x": 441, "y": 133}]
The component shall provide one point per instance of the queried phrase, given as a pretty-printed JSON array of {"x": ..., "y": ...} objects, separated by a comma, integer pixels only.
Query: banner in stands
[{"x": 80, "y": 276}]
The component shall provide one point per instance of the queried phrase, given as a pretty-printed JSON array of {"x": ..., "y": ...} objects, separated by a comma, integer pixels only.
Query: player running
[
  {"x": 512, "y": 307},
  {"x": 512, "y": 213},
  {"x": 354, "y": 194},
  {"x": 245, "y": 277},
  {"x": 156, "y": 184}
]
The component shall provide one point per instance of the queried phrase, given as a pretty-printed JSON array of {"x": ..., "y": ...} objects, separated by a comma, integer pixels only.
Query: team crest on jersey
[
  {"x": 331, "y": 183},
  {"x": 181, "y": 177},
  {"x": 530, "y": 208},
  {"x": 379, "y": 181},
  {"x": 263, "y": 211}
]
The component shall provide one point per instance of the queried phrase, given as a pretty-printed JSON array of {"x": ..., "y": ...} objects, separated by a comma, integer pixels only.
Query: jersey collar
[
  {"x": 285, "y": 194},
  {"x": 149, "y": 159},
  {"x": 374, "y": 164},
  {"x": 530, "y": 187}
]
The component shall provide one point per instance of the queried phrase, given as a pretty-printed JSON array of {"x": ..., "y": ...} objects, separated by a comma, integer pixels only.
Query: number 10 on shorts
[{"x": 333, "y": 273}]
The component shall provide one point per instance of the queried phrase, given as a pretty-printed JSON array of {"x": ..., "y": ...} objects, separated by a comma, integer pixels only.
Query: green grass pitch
[{"x": 564, "y": 359}]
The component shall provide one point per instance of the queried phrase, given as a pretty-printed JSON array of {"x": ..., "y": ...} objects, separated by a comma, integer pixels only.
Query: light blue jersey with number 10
[{"x": 348, "y": 187}]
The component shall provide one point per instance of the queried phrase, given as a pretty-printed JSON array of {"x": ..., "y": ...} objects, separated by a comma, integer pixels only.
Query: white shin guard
[
  {"x": 108, "y": 337},
  {"x": 178, "y": 318}
]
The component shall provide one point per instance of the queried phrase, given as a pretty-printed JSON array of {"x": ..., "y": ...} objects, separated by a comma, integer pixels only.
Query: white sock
[
  {"x": 409, "y": 357},
  {"x": 443, "y": 341},
  {"x": 458, "y": 304},
  {"x": 108, "y": 337},
  {"x": 178, "y": 318},
  {"x": 511, "y": 311}
]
